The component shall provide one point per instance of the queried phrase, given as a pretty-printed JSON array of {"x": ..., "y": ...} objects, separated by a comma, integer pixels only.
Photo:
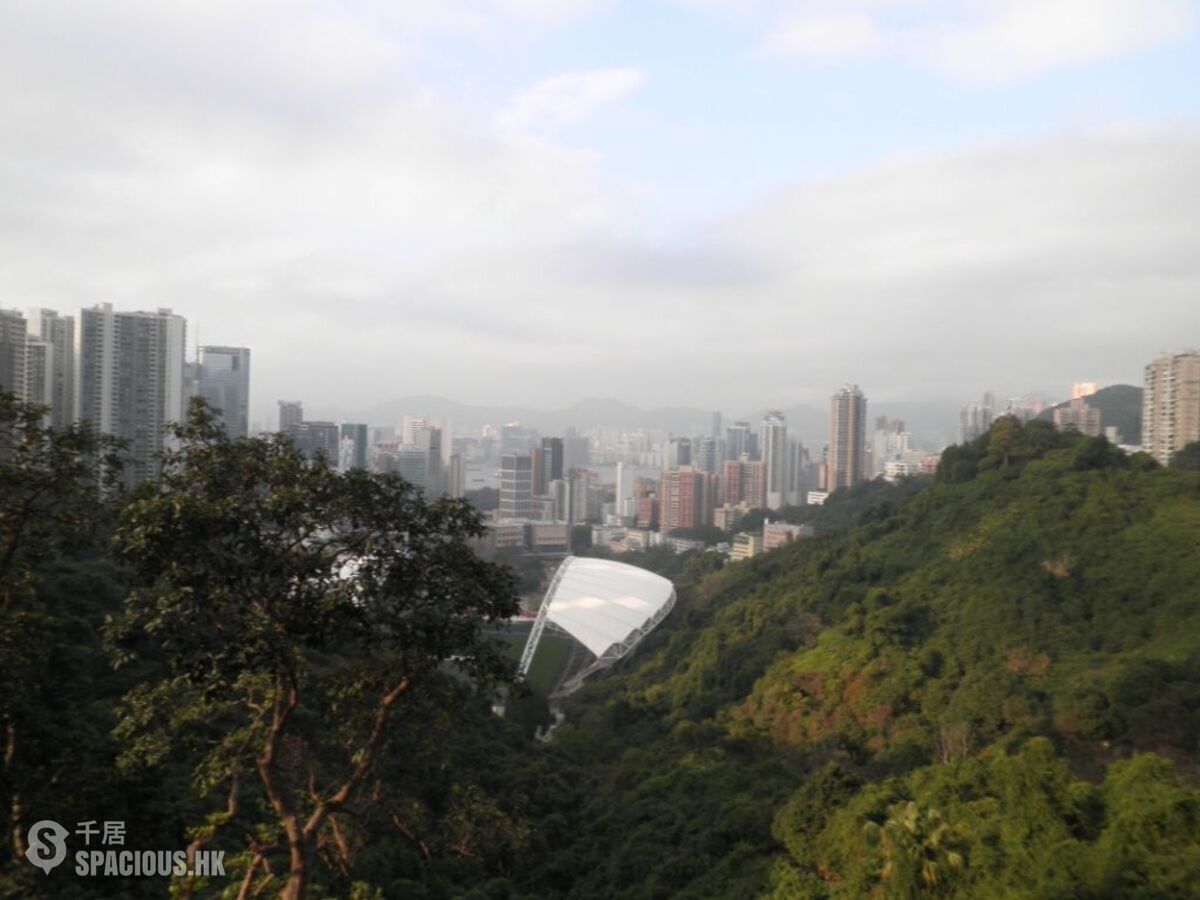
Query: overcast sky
[{"x": 723, "y": 203}]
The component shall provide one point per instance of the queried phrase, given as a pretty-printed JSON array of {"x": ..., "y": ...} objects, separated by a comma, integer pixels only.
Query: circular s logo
[{"x": 47, "y": 845}]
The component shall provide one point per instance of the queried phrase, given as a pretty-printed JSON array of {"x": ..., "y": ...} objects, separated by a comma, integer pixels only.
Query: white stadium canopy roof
[{"x": 607, "y": 606}]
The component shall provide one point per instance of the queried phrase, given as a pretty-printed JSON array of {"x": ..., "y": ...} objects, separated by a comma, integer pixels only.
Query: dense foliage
[
  {"x": 985, "y": 685},
  {"x": 991, "y": 689}
]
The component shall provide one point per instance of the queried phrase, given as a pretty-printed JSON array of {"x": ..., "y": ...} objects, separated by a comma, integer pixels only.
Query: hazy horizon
[{"x": 732, "y": 204}]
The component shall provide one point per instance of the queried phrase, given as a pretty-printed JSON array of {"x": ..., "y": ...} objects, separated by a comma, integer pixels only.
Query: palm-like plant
[{"x": 920, "y": 851}]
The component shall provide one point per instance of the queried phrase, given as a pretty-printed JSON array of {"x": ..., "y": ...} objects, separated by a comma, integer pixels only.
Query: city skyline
[{"x": 731, "y": 205}]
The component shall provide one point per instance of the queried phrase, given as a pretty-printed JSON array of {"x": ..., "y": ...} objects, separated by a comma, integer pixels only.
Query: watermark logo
[{"x": 47, "y": 850}]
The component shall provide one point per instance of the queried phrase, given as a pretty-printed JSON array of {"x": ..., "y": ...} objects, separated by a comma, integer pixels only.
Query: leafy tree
[
  {"x": 52, "y": 504},
  {"x": 296, "y": 609},
  {"x": 1187, "y": 459}
]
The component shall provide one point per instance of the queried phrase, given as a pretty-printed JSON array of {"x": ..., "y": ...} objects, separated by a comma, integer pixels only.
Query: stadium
[{"x": 606, "y": 607}]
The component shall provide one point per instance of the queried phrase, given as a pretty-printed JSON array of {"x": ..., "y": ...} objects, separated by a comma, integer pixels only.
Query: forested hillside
[
  {"x": 988, "y": 686},
  {"x": 992, "y": 690}
]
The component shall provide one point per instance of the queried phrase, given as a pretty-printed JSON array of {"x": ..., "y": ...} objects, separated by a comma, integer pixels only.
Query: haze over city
[{"x": 729, "y": 205}]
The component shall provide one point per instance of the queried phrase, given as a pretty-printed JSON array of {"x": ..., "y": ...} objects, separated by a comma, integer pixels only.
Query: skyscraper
[
  {"x": 847, "y": 438},
  {"x": 516, "y": 486},
  {"x": 428, "y": 439},
  {"x": 1171, "y": 404},
  {"x": 737, "y": 440},
  {"x": 773, "y": 440},
  {"x": 223, "y": 380},
  {"x": 131, "y": 379},
  {"x": 552, "y": 460},
  {"x": 58, "y": 333},
  {"x": 291, "y": 414}
]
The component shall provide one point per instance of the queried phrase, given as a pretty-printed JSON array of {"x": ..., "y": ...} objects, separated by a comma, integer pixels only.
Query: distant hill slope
[
  {"x": 991, "y": 689},
  {"x": 1119, "y": 405}
]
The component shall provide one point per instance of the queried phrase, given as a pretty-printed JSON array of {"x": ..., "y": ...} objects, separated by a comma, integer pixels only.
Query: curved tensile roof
[{"x": 605, "y": 604}]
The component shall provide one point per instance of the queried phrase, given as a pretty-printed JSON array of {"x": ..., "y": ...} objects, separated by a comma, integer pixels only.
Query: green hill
[
  {"x": 981, "y": 685},
  {"x": 991, "y": 690},
  {"x": 1120, "y": 405}
]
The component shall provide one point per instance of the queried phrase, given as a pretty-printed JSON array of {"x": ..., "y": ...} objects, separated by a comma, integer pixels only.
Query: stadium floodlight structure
[{"x": 607, "y": 606}]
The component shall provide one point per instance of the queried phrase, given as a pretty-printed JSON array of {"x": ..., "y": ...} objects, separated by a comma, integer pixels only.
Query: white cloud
[
  {"x": 305, "y": 197},
  {"x": 981, "y": 40},
  {"x": 548, "y": 11},
  {"x": 567, "y": 99},
  {"x": 829, "y": 35}
]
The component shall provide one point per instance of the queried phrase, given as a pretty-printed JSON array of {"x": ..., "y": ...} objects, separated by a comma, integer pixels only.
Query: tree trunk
[
  {"x": 16, "y": 807},
  {"x": 297, "y": 880}
]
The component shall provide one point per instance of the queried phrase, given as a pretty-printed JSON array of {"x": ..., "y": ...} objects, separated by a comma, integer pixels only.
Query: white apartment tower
[
  {"x": 1171, "y": 404},
  {"x": 131, "y": 379},
  {"x": 58, "y": 334},
  {"x": 773, "y": 435}
]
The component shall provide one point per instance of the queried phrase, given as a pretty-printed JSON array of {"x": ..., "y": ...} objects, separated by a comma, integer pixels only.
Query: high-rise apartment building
[
  {"x": 975, "y": 419},
  {"x": 131, "y": 379},
  {"x": 223, "y": 381},
  {"x": 39, "y": 374},
  {"x": 1171, "y": 404},
  {"x": 516, "y": 486},
  {"x": 744, "y": 481},
  {"x": 686, "y": 499},
  {"x": 13, "y": 353},
  {"x": 1079, "y": 415},
  {"x": 58, "y": 334},
  {"x": 847, "y": 438},
  {"x": 773, "y": 440}
]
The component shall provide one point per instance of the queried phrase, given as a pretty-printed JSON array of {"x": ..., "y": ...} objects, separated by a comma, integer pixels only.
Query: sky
[{"x": 731, "y": 204}]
